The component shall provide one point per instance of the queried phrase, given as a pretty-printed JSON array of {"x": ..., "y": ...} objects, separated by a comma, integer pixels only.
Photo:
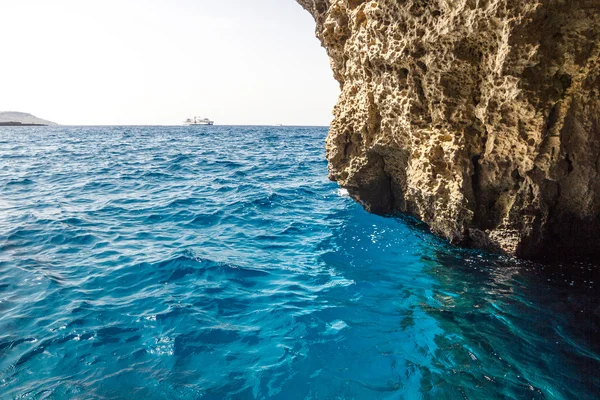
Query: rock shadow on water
[{"x": 515, "y": 328}]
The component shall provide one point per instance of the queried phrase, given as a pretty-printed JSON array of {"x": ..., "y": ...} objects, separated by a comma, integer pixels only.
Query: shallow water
[{"x": 219, "y": 262}]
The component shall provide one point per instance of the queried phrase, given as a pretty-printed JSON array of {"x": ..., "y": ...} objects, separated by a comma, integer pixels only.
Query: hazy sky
[{"x": 160, "y": 61}]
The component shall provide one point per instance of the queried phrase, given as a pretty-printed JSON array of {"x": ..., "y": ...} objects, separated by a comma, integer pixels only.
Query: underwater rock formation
[{"x": 479, "y": 117}]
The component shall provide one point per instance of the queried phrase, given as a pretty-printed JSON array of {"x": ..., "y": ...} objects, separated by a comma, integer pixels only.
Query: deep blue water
[{"x": 219, "y": 262}]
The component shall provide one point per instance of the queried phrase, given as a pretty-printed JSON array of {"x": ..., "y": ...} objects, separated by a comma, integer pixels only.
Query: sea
[{"x": 219, "y": 262}]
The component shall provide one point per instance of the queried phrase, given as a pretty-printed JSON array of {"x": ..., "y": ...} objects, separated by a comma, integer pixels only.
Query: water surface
[{"x": 219, "y": 262}]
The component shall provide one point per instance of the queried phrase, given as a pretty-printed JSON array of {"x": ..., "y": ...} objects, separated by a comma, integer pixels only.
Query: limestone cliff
[{"x": 479, "y": 117}]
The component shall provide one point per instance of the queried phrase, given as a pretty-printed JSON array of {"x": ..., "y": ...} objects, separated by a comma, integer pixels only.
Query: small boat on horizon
[{"x": 198, "y": 121}]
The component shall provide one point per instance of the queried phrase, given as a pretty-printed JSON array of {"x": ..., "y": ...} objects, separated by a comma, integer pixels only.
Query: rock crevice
[{"x": 478, "y": 117}]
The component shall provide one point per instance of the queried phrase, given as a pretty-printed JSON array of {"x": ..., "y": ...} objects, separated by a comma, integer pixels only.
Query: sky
[{"x": 157, "y": 62}]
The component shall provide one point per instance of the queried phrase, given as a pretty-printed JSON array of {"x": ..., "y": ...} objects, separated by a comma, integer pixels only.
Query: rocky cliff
[{"x": 479, "y": 117}]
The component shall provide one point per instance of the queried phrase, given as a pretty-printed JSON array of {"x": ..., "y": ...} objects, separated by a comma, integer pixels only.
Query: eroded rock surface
[{"x": 479, "y": 117}]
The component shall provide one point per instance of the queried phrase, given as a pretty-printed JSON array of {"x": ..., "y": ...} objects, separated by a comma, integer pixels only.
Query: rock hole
[
  {"x": 565, "y": 81},
  {"x": 570, "y": 167},
  {"x": 552, "y": 118},
  {"x": 517, "y": 178},
  {"x": 352, "y": 4}
]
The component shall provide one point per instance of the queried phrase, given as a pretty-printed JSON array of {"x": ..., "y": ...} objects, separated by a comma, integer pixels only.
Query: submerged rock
[{"x": 479, "y": 117}]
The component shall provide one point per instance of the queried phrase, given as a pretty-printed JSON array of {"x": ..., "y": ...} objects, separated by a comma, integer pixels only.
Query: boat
[{"x": 198, "y": 121}]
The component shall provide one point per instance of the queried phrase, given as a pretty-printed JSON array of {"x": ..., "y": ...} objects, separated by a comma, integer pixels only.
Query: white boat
[{"x": 198, "y": 121}]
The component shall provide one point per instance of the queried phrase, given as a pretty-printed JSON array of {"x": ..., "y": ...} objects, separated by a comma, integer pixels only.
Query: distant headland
[{"x": 15, "y": 118}]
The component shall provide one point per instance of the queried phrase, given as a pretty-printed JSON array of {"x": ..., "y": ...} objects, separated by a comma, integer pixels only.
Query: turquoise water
[{"x": 219, "y": 262}]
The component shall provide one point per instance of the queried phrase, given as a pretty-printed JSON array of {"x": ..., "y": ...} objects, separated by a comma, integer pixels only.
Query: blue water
[{"x": 219, "y": 262}]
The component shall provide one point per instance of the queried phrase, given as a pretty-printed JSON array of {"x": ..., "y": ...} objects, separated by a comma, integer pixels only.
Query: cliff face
[{"x": 479, "y": 117}]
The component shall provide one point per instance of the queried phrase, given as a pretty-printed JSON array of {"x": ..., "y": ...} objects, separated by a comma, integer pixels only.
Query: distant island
[{"x": 15, "y": 118}]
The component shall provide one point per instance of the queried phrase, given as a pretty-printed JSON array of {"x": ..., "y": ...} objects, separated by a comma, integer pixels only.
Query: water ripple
[{"x": 146, "y": 262}]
